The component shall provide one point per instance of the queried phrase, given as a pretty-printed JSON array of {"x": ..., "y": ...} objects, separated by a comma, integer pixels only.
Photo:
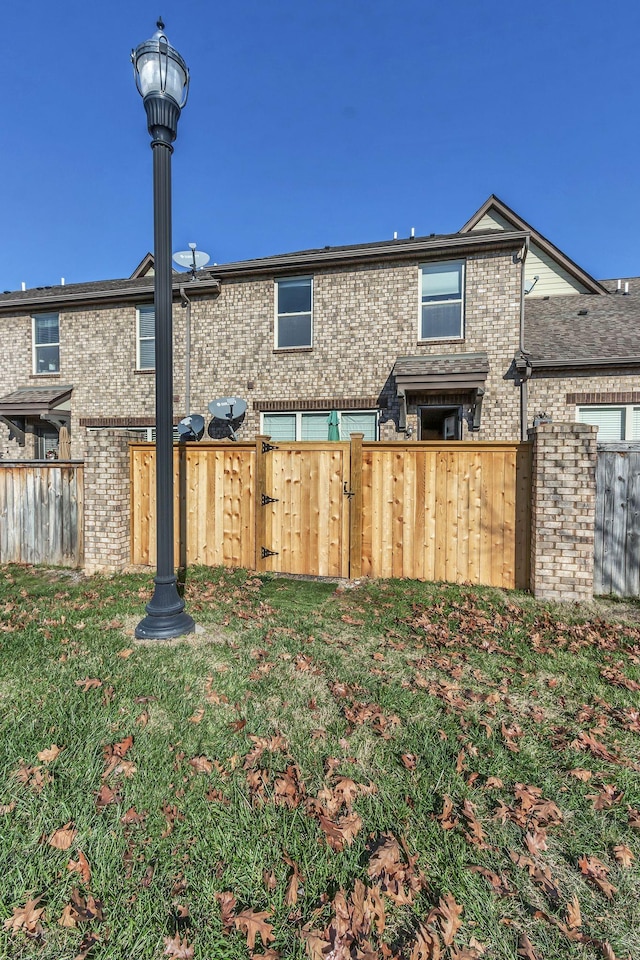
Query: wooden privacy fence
[
  {"x": 456, "y": 511},
  {"x": 41, "y": 512},
  {"x": 617, "y": 528}
]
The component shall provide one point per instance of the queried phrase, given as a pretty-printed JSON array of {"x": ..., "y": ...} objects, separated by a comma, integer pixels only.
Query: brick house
[{"x": 464, "y": 335}]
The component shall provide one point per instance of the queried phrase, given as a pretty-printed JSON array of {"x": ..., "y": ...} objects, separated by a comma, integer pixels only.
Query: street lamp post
[{"x": 162, "y": 79}]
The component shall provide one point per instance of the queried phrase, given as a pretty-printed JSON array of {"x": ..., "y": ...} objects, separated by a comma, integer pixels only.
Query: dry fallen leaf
[
  {"x": 81, "y": 866},
  {"x": 26, "y": 918},
  {"x": 125, "y": 654},
  {"x": 254, "y": 923},
  {"x": 63, "y": 837},
  {"x": 623, "y": 855},
  {"x": 197, "y": 716},
  {"x": 178, "y": 948},
  {"x": 89, "y": 684},
  {"x": 68, "y": 917},
  {"x": 50, "y": 754},
  {"x": 574, "y": 917}
]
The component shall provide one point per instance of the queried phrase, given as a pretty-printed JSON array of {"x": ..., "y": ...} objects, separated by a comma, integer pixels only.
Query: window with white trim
[
  {"x": 442, "y": 300},
  {"x": 614, "y": 422},
  {"x": 294, "y": 312},
  {"x": 46, "y": 343},
  {"x": 303, "y": 425},
  {"x": 146, "y": 337}
]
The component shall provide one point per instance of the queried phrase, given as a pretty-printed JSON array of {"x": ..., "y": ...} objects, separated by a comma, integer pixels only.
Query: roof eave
[
  {"x": 394, "y": 250},
  {"x": 549, "y": 364},
  {"x": 137, "y": 294}
]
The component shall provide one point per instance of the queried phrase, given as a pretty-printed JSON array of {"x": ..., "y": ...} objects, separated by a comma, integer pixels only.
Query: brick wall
[
  {"x": 364, "y": 317},
  {"x": 555, "y": 395},
  {"x": 106, "y": 501},
  {"x": 563, "y": 502}
]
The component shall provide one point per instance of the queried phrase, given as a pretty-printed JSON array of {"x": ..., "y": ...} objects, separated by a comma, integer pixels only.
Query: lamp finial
[{"x": 160, "y": 24}]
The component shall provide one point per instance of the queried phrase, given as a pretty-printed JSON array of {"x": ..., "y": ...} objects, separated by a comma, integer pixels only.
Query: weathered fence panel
[
  {"x": 41, "y": 512},
  {"x": 456, "y": 511},
  {"x": 617, "y": 532}
]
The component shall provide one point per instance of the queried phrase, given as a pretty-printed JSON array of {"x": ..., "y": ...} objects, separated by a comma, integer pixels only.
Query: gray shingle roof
[{"x": 585, "y": 328}]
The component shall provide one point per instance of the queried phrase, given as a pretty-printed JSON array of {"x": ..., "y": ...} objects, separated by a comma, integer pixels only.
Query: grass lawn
[{"x": 398, "y": 770}]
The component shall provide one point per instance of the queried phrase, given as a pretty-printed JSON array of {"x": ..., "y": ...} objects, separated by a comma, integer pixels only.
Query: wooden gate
[
  {"x": 617, "y": 531},
  {"x": 302, "y": 505},
  {"x": 456, "y": 511}
]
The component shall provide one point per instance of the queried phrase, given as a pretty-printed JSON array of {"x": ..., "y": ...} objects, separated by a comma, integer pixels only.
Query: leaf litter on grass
[{"x": 340, "y": 823}]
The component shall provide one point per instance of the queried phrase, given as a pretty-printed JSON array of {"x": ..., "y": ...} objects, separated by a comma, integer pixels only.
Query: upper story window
[
  {"x": 146, "y": 359},
  {"x": 294, "y": 310},
  {"x": 442, "y": 300},
  {"x": 46, "y": 343}
]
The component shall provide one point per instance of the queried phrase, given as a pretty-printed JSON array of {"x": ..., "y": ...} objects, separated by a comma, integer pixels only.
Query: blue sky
[{"x": 319, "y": 123}]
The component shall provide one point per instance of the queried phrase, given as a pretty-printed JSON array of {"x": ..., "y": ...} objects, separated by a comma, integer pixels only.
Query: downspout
[
  {"x": 187, "y": 366},
  {"x": 524, "y": 385}
]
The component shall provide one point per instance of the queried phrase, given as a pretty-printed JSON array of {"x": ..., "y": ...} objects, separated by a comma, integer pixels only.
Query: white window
[
  {"x": 315, "y": 426},
  {"x": 441, "y": 300},
  {"x": 614, "y": 422},
  {"x": 146, "y": 352},
  {"x": 46, "y": 343},
  {"x": 294, "y": 311}
]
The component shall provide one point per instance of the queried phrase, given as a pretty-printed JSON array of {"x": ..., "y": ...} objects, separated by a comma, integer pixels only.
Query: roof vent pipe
[
  {"x": 24, "y": 286},
  {"x": 395, "y": 234},
  {"x": 626, "y": 288},
  {"x": 413, "y": 232}
]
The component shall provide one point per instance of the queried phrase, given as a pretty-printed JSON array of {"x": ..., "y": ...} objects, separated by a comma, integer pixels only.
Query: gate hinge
[
  {"x": 267, "y": 553},
  {"x": 266, "y": 499},
  {"x": 268, "y": 447}
]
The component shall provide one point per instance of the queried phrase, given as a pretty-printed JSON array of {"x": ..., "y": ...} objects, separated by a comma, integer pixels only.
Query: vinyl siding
[{"x": 554, "y": 280}]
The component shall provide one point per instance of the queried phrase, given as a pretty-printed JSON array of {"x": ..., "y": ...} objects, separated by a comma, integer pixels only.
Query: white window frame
[
  {"x": 627, "y": 410},
  {"x": 301, "y": 313},
  {"x": 140, "y": 338},
  {"x": 35, "y": 346},
  {"x": 298, "y": 414},
  {"x": 431, "y": 266}
]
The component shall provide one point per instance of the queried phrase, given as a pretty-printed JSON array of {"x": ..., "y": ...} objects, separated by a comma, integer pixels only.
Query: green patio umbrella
[{"x": 334, "y": 427}]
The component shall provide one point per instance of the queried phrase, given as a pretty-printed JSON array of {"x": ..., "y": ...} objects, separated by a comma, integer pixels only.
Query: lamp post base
[{"x": 165, "y": 613}]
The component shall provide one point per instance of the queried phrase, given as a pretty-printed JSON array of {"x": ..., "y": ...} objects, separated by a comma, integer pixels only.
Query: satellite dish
[
  {"x": 229, "y": 410},
  {"x": 191, "y": 428},
  {"x": 192, "y": 259}
]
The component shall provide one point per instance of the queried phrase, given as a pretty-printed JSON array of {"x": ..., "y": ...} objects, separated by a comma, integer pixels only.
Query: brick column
[
  {"x": 563, "y": 507},
  {"x": 107, "y": 500}
]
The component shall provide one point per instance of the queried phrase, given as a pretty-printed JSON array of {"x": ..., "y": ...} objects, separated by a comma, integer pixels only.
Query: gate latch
[
  {"x": 267, "y": 553},
  {"x": 347, "y": 493}
]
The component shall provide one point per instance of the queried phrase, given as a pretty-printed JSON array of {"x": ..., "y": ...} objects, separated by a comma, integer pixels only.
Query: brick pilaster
[{"x": 563, "y": 506}]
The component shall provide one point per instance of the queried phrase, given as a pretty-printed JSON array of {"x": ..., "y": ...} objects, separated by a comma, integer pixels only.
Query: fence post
[
  {"x": 355, "y": 507},
  {"x": 260, "y": 513}
]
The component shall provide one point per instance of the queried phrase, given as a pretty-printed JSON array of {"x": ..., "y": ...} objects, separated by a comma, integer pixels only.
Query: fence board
[{"x": 41, "y": 513}]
